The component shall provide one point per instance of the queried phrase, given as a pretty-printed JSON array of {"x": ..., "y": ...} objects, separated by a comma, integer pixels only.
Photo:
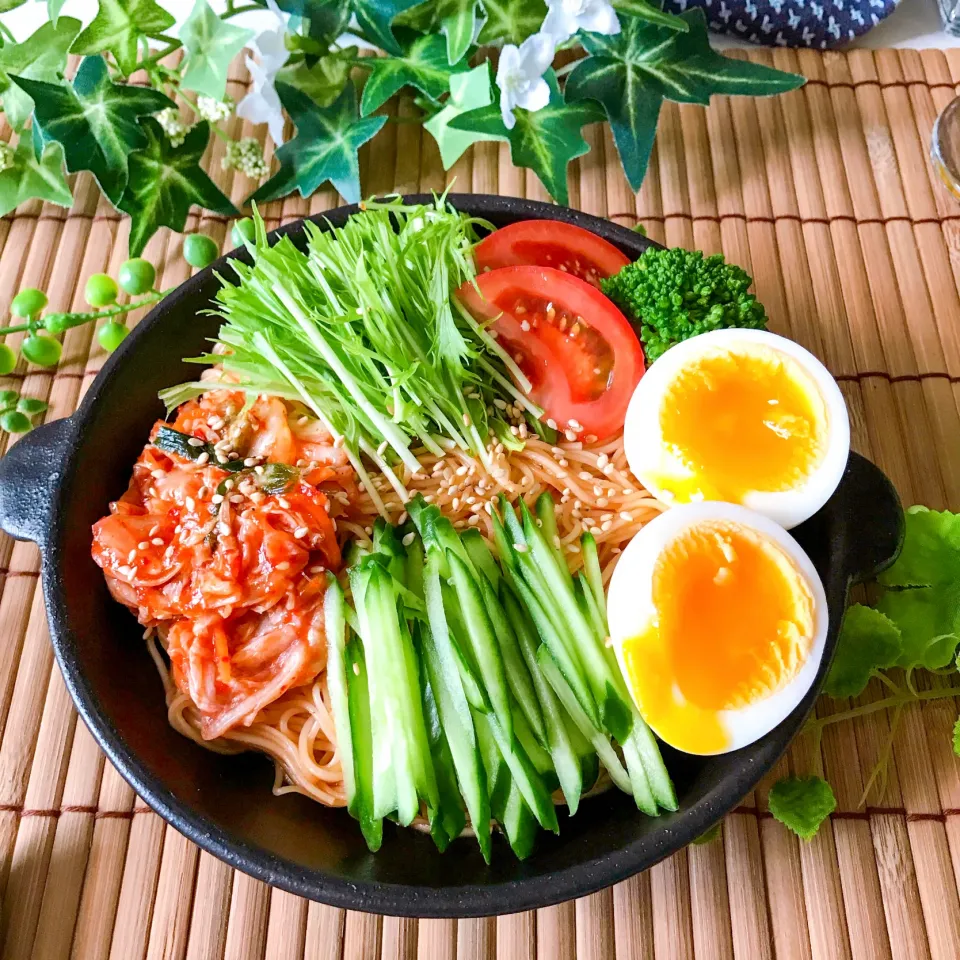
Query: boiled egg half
[
  {"x": 719, "y": 620},
  {"x": 743, "y": 416}
]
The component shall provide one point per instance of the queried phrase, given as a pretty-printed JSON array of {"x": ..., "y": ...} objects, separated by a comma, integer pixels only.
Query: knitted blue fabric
[{"x": 791, "y": 23}]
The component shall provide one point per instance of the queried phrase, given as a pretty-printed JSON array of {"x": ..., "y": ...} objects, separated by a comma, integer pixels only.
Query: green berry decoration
[
  {"x": 243, "y": 231},
  {"x": 15, "y": 422},
  {"x": 8, "y": 360},
  {"x": 111, "y": 335},
  {"x": 31, "y": 406},
  {"x": 137, "y": 276},
  {"x": 41, "y": 350},
  {"x": 28, "y": 303},
  {"x": 101, "y": 290},
  {"x": 199, "y": 250},
  {"x": 55, "y": 323}
]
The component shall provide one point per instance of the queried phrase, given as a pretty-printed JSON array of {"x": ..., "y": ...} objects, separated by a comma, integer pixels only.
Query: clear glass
[
  {"x": 945, "y": 145},
  {"x": 950, "y": 14}
]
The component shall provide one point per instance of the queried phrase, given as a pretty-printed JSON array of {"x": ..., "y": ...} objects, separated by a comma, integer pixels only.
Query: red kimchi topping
[{"x": 232, "y": 564}]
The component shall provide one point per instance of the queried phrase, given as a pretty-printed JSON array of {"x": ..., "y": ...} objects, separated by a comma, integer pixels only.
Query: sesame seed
[
  {"x": 520, "y": 547},
  {"x": 203, "y": 459},
  {"x": 157, "y": 542},
  {"x": 195, "y": 442},
  {"x": 301, "y": 532},
  {"x": 525, "y": 326},
  {"x": 466, "y": 420},
  {"x": 236, "y": 498},
  {"x": 217, "y": 498},
  {"x": 570, "y": 435},
  {"x": 356, "y": 669},
  {"x": 408, "y": 539},
  {"x": 625, "y": 515},
  {"x": 602, "y": 501},
  {"x": 382, "y": 448},
  {"x": 223, "y": 528},
  {"x": 499, "y": 404},
  {"x": 584, "y": 475},
  {"x": 283, "y": 565},
  {"x": 602, "y": 460},
  {"x": 551, "y": 423},
  {"x": 606, "y": 525},
  {"x": 591, "y": 438},
  {"x": 190, "y": 503},
  {"x": 461, "y": 471},
  {"x": 142, "y": 545},
  {"x": 157, "y": 474},
  {"x": 221, "y": 459},
  {"x": 283, "y": 502},
  {"x": 250, "y": 462},
  {"x": 132, "y": 556},
  {"x": 473, "y": 520},
  {"x": 607, "y": 470}
]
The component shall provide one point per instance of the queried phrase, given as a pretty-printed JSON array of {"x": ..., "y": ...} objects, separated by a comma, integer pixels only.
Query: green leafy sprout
[
  {"x": 361, "y": 328},
  {"x": 145, "y": 142}
]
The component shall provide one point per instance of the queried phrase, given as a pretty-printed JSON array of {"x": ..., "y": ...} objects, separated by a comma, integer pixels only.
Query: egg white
[
  {"x": 652, "y": 462},
  {"x": 631, "y": 611}
]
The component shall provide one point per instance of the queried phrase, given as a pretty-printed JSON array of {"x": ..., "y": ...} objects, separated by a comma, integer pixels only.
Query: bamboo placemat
[{"x": 827, "y": 197}]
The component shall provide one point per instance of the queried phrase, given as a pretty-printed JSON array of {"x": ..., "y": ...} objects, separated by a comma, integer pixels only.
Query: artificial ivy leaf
[
  {"x": 165, "y": 181},
  {"x": 423, "y": 64},
  {"x": 326, "y": 19},
  {"x": 29, "y": 178},
  {"x": 324, "y": 81},
  {"x": 650, "y": 13},
  {"x": 325, "y": 147},
  {"x": 631, "y": 72},
  {"x": 375, "y": 18},
  {"x": 511, "y": 21},
  {"x": 210, "y": 44},
  {"x": 868, "y": 641},
  {"x": 118, "y": 27},
  {"x": 924, "y": 601},
  {"x": 468, "y": 91},
  {"x": 42, "y": 56},
  {"x": 95, "y": 120},
  {"x": 455, "y": 19},
  {"x": 544, "y": 140},
  {"x": 53, "y": 10},
  {"x": 802, "y": 804}
]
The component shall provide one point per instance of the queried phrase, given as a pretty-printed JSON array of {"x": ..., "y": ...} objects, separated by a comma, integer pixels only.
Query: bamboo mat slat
[{"x": 827, "y": 197}]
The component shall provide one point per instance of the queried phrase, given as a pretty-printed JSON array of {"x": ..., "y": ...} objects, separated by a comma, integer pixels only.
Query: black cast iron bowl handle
[{"x": 30, "y": 473}]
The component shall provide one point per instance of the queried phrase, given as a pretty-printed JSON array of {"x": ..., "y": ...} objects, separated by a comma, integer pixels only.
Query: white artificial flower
[
  {"x": 262, "y": 104},
  {"x": 566, "y": 17},
  {"x": 520, "y": 76},
  {"x": 270, "y": 45}
]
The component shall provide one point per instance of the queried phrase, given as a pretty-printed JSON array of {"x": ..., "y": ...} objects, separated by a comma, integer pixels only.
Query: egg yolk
[
  {"x": 742, "y": 420},
  {"x": 734, "y": 623}
]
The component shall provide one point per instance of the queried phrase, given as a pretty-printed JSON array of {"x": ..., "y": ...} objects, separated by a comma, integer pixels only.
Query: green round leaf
[
  {"x": 28, "y": 303},
  {"x": 14, "y": 422},
  {"x": 111, "y": 335},
  {"x": 101, "y": 290},
  {"x": 8, "y": 360},
  {"x": 199, "y": 250},
  {"x": 137, "y": 276},
  {"x": 41, "y": 350}
]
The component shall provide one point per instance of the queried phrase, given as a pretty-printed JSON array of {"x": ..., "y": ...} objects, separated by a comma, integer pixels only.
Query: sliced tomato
[
  {"x": 551, "y": 243},
  {"x": 576, "y": 348}
]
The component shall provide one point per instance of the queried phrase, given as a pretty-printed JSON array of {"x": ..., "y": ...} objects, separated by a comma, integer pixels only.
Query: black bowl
[{"x": 58, "y": 480}]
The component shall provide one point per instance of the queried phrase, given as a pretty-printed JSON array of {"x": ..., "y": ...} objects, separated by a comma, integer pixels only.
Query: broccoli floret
[{"x": 671, "y": 295}]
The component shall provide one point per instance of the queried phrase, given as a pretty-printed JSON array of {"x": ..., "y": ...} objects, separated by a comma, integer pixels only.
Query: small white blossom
[
  {"x": 261, "y": 104},
  {"x": 171, "y": 124},
  {"x": 7, "y": 154},
  {"x": 214, "y": 110},
  {"x": 520, "y": 76},
  {"x": 245, "y": 155},
  {"x": 566, "y": 17}
]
